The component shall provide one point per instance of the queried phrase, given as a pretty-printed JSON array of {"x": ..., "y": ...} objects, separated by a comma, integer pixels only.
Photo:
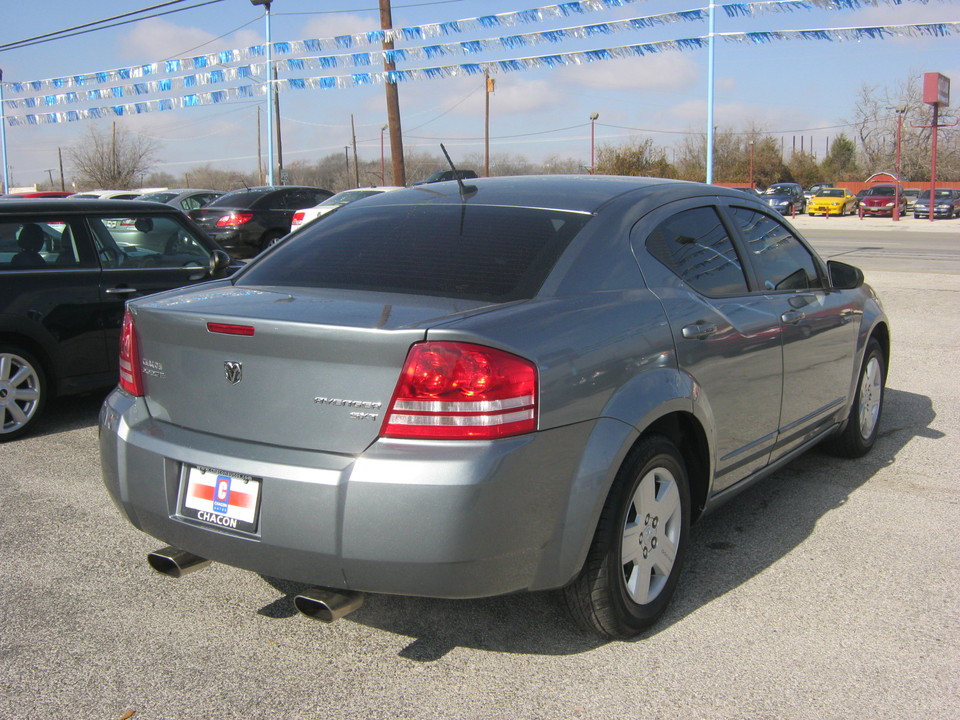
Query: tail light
[
  {"x": 460, "y": 391},
  {"x": 234, "y": 219},
  {"x": 130, "y": 378},
  {"x": 297, "y": 218}
]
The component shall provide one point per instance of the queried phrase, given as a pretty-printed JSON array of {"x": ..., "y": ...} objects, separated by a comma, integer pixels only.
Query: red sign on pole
[{"x": 936, "y": 89}]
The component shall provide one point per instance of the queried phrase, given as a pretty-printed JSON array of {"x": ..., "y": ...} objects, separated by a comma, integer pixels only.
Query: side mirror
[
  {"x": 843, "y": 276},
  {"x": 219, "y": 262}
]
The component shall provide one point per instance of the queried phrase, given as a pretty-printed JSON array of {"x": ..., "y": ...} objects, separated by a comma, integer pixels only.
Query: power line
[{"x": 79, "y": 29}]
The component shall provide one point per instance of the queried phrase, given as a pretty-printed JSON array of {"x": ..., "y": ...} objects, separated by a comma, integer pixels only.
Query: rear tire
[
  {"x": 860, "y": 432},
  {"x": 23, "y": 391},
  {"x": 634, "y": 563},
  {"x": 270, "y": 239}
]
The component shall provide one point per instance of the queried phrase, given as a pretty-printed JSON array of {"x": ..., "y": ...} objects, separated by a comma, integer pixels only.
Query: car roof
[
  {"x": 576, "y": 193},
  {"x": 33, "y": 206}
]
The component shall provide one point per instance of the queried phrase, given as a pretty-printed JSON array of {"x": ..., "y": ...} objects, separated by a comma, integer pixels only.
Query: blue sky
[{"x": 797, "y": 88}]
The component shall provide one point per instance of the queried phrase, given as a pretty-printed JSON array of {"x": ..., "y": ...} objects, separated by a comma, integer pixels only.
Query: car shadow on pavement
[
  {"x": 70, "y": 413},
  {"x": 727, "y": 548}
]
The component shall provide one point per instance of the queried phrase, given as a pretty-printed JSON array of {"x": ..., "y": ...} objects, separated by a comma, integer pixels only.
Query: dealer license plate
[{"x": 222, "y": 499}]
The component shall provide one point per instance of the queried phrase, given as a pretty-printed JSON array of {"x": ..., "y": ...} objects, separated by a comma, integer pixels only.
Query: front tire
[
  {"x": 634, "y": 563},
  {"x": 23, "y": 392},
  {"x": 860, "y": 432}
]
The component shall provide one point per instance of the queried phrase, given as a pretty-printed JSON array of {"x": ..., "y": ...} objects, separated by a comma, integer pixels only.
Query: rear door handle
[
  {"x": 698, "y": 332},
  {"x": 120, "y": 291},
  {"x": 792, "y": 317}
]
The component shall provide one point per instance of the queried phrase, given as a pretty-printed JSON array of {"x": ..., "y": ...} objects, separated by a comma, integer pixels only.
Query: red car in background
[
  {"x": 880, "y": 199},
  {"x": 40, "y": 194}
]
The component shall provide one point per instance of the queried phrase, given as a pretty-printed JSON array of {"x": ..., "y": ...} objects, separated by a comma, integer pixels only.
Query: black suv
[
  {"x": 250, "y": 220},
  {"x": 67, "y": 267}
]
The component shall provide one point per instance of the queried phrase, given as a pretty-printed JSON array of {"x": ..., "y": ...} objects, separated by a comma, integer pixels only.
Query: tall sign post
[{"x": 936, "y": 92}]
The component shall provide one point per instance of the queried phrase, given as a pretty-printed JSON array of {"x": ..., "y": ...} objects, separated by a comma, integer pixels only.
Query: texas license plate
[{"x": 224, "y": 499}]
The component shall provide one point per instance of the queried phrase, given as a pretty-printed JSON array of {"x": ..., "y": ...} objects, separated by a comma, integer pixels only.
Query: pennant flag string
[
  {"x": 499, "y": 66},
  {"x": 293, "y": 50}
]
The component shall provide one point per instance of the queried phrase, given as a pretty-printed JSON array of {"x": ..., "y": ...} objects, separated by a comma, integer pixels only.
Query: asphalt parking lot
[{"x": 830, "y": 590}]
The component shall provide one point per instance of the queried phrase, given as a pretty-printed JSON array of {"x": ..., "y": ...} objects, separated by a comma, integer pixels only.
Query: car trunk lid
[{"x": 311, "y": 369}]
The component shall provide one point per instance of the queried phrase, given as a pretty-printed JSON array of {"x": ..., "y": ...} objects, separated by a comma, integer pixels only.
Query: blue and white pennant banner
[
  {"x": 222, "y": 61},
  {"x": 494, "y": 67}
]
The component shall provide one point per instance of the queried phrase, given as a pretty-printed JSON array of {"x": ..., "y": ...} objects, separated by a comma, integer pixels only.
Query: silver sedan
[{"x": 465, "y": 390}]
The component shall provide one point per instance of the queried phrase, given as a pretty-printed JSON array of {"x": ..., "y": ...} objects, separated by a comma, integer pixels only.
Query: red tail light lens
[
  {"x": 297, "y": 218},
  {"x": 234, "y": 219},
  {"x": 459, "y": 391},
  {"x": 130, "y": 378}
]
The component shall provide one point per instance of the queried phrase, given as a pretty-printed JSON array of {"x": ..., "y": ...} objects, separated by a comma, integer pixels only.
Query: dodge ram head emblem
[{"x": 233, "y": 371}]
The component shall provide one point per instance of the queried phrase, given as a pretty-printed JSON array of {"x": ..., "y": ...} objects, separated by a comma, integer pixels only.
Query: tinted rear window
[
  {"x": 242, "y": 198},
  {"x": 492, "y": 254}
]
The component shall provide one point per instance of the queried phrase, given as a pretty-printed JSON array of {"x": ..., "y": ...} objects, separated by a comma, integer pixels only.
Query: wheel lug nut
[
  {"x": 653, "y": 543},
  {"x": 646, "y": 520}
]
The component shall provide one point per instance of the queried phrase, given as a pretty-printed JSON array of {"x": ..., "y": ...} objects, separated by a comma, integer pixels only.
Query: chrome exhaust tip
[
  {"x": 327, "y": 605},
  {"x": 175, "y": 562}
]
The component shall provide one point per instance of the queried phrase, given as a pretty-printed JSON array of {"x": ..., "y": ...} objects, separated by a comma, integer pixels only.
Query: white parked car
[
  {"x": 302, "y": 217},
  {"x": 106, "y": 195}
]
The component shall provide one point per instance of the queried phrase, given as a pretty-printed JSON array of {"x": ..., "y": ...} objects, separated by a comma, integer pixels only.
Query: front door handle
[
  {"x": 792, "y": 317},
  {"x": 120, "y": 291},
  {"x": 698, "y": 331}
]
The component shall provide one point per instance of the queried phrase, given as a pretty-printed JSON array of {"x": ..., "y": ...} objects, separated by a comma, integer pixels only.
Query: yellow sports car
[{"x": 832, "y": 201}]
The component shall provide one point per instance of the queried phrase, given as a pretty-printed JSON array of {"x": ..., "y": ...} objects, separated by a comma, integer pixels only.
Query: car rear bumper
[{"x": 440, "y": 519}]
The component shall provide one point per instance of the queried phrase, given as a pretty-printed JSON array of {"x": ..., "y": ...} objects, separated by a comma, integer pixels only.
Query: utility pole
[
  {"x": 356, "y": 165},
  {"x": 259, "y": 151},
  {"x": 490, "y": 84},
  {"x": 63, "y": 185},
  {"x": 276, "y": 110},
  {"x": 393, "y": 98}
]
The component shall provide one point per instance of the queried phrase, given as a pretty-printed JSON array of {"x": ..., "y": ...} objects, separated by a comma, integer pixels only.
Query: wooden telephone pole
[{"x": 393, "y": 100}]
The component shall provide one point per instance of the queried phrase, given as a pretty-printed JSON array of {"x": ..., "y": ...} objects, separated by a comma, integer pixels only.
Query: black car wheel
[
  {"x": 23, "y": 391},
  {"x": 271, "y": 238},
  {"x": 860, "y": 432},
  {"x": 634, "y": 562}
]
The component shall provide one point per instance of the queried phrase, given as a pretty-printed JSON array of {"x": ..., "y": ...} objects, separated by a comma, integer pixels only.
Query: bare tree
[
  {"x": 640, "y": 157},
  {"x": 115, "y": 158},
  {"x": 875, "y": 122}
]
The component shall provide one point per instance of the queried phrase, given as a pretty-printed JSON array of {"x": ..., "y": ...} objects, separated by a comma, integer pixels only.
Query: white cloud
[
  {"x": 666, "y": 71},
  {"x": 155, "y": 39}
]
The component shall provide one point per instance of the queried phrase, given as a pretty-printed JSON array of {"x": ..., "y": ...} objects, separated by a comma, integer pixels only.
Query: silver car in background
[{"x": 515, "y": 384}]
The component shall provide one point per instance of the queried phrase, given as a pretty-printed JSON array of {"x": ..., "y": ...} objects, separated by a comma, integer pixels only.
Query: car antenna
[{"x": 464, "y": 190}]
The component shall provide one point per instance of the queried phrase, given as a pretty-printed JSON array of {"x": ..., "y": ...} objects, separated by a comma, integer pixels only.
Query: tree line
[{"x": 120, "y": 159}]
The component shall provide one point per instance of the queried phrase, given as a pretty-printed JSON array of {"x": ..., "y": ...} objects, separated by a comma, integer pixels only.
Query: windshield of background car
[
  {"x": 830, "y": 193},
  {"x": 348, "y": 196},
  {"x": 160, "y": 197},
  {"x": 778, "y": 190},
  {"x": 473, "y": 252},
  {"x": 941, "y": 195},
  {"x": 880, "y": 192}
]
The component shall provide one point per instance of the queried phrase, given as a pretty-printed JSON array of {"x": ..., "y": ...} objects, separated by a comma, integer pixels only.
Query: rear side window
[
  {"x": 694, "y": 244},
  {"x": 33, "y": 244},
  {"x": 492, "y": 254}
]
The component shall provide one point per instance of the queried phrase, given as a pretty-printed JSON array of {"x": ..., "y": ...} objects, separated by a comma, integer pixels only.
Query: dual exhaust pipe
[{"x": 317, "y": 603}]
